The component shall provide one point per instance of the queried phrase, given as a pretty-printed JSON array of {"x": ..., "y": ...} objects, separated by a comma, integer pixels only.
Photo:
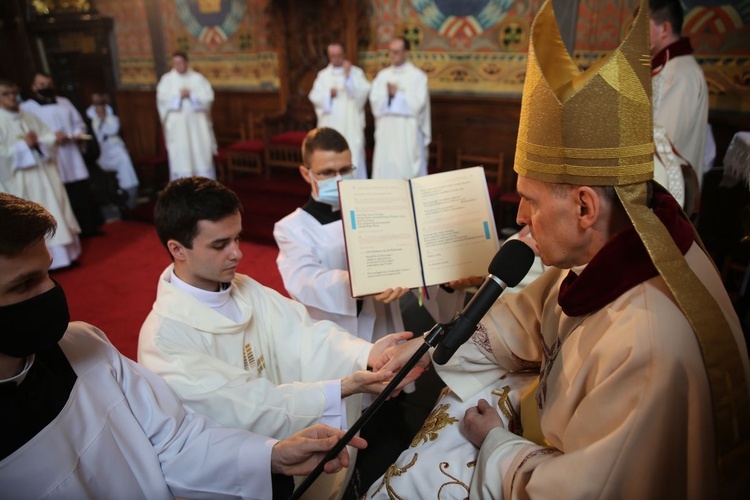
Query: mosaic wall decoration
[
  {"x": 465, "y": 46},
  {"x": 135, "y": 57},
  {"x": 227, "y": 40},
  {"x": 479, "y": 46}
]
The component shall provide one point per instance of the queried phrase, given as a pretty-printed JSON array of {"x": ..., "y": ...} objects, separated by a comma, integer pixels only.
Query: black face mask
[
  {"x": 35, "y": 324},
  {"x": 47, "y": 93}
]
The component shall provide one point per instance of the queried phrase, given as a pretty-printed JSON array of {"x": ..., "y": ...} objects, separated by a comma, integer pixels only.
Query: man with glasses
[
  {"x": 400, "y": 102},
  {"x": 312, "y": 256},
  {"x": 28, "y": 170},
  {"x": 312, "y": 262}
]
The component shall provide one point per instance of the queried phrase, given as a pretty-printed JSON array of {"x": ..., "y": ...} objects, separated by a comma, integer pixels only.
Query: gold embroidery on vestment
[
  {"x": 394, "y": 470},
  {"x": 436, "y": 420}
]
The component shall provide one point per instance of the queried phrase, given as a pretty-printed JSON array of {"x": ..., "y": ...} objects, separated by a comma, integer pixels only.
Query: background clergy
[
  {"x": 400, "y": 103},
  {"x": 339, "y": 95},
  {"x": 28, "y": 170},
  {"x": 184, "y": 98}
]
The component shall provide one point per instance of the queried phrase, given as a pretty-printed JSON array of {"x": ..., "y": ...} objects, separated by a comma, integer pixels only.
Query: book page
[
  {"x": 457, "y": 233},
  {"x": 381, "y": 243}
]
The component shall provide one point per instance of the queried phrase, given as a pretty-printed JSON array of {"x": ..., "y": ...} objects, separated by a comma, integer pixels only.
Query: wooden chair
[
  {"x": 435, "y": 155},
  {"x": 153, "y": 170},
  {"x": 503, "y": 196},
  {"x": 246, "y": 155},
  {"x": 284, "y": 133}
]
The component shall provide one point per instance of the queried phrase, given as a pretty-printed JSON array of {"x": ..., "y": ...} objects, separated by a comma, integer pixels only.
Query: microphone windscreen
[{"x": 512, "y": 262}]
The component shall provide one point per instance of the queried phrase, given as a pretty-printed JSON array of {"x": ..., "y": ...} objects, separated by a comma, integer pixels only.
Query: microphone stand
[{"x": 431, "y": 339}]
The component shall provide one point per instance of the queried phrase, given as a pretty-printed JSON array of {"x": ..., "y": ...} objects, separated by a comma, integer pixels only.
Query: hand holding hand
[
  {"x": 298, "y": 454},
  {"x": 184, "y": 93},
  {"x": 381, "y": 345},
  {"x": 334, "y": 92},
  {"x": 61, "y": 138},
  {"x": 388, "y": 296},
  {"x": 479, "y": 421},
  {"x": 364, "y": 382},
  {"x": 392, "y": 89}
]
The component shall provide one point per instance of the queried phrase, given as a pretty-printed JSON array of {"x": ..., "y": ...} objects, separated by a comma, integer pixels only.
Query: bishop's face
[
  {"x": 215, "y": 254},
  {"x": 552, "y": 218}
]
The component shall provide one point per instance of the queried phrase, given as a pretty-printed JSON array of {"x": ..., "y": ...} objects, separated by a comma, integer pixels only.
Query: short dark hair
[
  {"x": 322, "y": 139},
  {"x": 407, "y": 45},
  {"x": 22, "y": 224},
  {"x": 185, "y": 202},
  {"x": 179, "y": 53},
  {"x": 6, "y": 82},
  {"x": 667, "y": 11}
]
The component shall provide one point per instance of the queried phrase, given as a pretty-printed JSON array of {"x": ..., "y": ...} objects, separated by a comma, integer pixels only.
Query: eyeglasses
[{"x": 332, "y": 172}]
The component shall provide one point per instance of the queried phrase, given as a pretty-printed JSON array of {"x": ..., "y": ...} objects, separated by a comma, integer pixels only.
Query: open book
[{"x": 419, "y": 232}]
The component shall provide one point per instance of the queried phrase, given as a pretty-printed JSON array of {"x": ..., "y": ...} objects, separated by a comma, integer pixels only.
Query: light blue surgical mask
[{"x": 328, "y": 190}]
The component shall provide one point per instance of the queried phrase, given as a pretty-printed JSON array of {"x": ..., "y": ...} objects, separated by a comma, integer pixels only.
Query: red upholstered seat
[
  {"x": 291, "y": 138},
  {"x": 248, "y": 146}
]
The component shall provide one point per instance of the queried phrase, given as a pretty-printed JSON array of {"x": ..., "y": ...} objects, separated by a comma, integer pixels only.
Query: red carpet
[{"x": 114, "y": 286}]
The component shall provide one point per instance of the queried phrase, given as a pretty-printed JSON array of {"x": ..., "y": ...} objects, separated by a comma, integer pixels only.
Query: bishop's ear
[{"x": 589, "y": 206}]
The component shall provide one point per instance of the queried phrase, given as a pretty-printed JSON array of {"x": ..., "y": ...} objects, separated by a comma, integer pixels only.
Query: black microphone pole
[{"x": 431, "y": 339}]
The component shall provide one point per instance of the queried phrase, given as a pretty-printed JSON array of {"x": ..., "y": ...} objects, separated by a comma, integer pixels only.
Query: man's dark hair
[
  {"x": 667, "y": 11},
  {"x": 22, "y": 224},
  {"x": 5, "y": 82},
  {"x": 179, "y": 53},
  {"x": 407, "y": 45},
  {"x": 322, "y": 139},
  {"x": 185, "y": 202}
]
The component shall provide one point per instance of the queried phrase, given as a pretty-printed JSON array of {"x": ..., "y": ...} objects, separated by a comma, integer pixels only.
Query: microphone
[{"x": 507, "y": 269}]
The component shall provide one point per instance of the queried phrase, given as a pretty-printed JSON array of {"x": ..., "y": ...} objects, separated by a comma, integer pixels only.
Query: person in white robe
[
  {"x": 339, "y": 95},
  {"x": 60, "y": 116},
  {"x": 312, "y": 254},
  {"x": 113, "y": 155},
  {"x": 238, "y": 351},
  {"x": 680, "y": 91},
  {"x": 400, "y": 103},
  {"x": 80, "y": 420},
  {"x": 28, "y": 170},
  {"x": 184, "y": 98},
  {"x": 643, "y": 368}
]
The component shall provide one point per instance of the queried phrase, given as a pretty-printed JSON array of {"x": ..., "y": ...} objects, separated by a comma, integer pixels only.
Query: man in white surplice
[
  {"x": 184, "y": 98},
  {"x": 60, "y": 116},
  {"x": 28, "y": 170},
  {"x": 235, "y": 350},
  {"x": 339, "y": 95},
  {"x": 312, "y": 254},
  {"x": 400, "y": 103},
  {"x": 80, "y": 420}
]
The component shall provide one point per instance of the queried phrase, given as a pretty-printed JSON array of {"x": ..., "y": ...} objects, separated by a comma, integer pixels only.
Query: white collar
[{"x": 210, "y": 299}]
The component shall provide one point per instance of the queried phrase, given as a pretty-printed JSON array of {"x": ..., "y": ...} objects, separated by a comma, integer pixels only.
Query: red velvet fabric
[
  {"x": 249, "y": 146},
  {"x": 293, "y": 138},
  {"x": 681, "y": 47},
  {"x": 623, "y": 263}
]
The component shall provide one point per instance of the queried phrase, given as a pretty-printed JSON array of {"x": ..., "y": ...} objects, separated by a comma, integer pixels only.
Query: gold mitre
[{"x": 592, "y": 127}]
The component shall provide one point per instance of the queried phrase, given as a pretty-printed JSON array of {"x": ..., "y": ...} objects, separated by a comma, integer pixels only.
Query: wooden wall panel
[{"x": 139, "y": 121}]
